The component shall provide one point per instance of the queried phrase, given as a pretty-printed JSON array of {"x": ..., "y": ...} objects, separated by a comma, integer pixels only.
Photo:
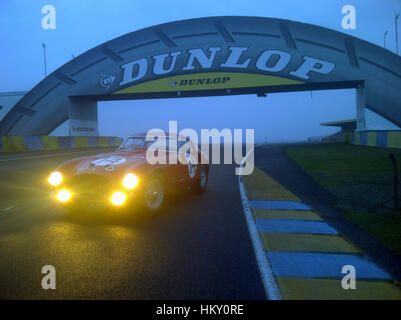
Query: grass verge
[{"x": 360, "y": 177}]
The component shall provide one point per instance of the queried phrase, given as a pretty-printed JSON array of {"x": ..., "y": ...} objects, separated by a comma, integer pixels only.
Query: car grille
[{"x": 90, "y": 186}]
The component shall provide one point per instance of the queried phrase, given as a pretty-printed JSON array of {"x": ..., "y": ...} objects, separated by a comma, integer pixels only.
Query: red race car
[{"x": 126, "y": 177}]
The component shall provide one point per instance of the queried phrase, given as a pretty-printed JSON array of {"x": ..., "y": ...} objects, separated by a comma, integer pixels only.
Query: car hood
[{"x": 110, "y": 164}]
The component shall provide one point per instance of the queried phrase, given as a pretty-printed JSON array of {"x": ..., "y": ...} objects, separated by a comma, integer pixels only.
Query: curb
[
  {"x": 270, "y": 285},
  {"x": 299, "y": 255}
]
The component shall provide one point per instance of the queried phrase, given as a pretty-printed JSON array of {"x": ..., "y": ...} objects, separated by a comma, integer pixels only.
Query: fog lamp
[
  {"x": 130, "y": 181},
  {"x": 63, "y": 195},
  {"x": 55, "y": 178},
  {"x": 118, "y": 198}
]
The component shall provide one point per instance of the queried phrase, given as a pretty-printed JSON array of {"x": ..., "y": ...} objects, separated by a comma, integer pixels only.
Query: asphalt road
[{"x": 198, "y": 248}]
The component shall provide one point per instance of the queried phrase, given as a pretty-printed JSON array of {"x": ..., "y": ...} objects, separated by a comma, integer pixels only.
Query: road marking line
[
  {"x": 294, "y": 226},
  {"x": 270, "y": 285},
  {"x": 8, "y": 208},
  {"x": 278, "y": 205},
  {"x": 307, "y": 243},
  {"x": 50, "y": 155},
  {"x": 323, "y": 265},
  {"x": 286, "y": 214}
]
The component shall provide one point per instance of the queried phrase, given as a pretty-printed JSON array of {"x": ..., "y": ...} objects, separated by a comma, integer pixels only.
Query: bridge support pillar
[
  {"x": 82, "y": 116},
  {"x": 360, "y": 109}
]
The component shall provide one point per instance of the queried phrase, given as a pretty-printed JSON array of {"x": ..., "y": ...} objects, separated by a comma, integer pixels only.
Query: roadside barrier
[
  {"x": 389, "y": 139},
  {"x": 34, "y": 143}
]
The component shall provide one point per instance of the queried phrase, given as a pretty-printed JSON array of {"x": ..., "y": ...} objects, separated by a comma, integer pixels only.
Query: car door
[
  {"x": 175, "y": 166},
  {"x": 189, "y": 165}
]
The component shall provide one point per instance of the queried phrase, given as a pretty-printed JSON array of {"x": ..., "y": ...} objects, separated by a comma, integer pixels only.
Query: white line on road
[
  {"x": 8, "y": 208},
  {"x": 270, "y": 285},
  {"x": 51, "y": 155}
]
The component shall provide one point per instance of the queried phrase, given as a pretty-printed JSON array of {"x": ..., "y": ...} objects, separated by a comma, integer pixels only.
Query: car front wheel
[
  {"x": 201, "y": 182},
  {"x": 154, "y": 193}
]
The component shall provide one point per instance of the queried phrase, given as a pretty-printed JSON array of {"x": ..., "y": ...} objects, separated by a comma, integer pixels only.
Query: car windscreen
[{"x": 132, "y": 143}]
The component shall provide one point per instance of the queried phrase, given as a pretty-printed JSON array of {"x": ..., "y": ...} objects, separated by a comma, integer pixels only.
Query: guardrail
[
  {"x": 332, "y": 138},
  {"x": 316, "y": 139},
  {"x": 390, "y": 139},
  {"x": 34, "y": 143}
]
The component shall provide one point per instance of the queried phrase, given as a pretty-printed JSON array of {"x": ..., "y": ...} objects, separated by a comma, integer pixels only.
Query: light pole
[
  {"x": 385, "y": 34},
  {"x": 397, "y": 15},
  {"x": 44, "y": 56}
]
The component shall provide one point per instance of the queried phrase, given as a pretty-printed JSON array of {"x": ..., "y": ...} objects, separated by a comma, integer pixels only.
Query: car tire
[
  {"x": 201, "y": 182},
  {"x": 154, "y": 193}
]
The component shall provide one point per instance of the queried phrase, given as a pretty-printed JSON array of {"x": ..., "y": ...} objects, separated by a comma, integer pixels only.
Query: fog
[{"x": 279, "y": 117}]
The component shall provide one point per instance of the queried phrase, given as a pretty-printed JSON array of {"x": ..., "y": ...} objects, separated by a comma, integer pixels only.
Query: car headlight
[
  {"x": 118, "y": 198},
  {"x": 55, "y": 178},
  {"x": 130, "y": 181},
  {"x": 63, "y": 195}
]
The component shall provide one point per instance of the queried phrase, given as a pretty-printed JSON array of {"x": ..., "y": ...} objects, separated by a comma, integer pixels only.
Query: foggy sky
[{"x": 81, "y": 25}]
